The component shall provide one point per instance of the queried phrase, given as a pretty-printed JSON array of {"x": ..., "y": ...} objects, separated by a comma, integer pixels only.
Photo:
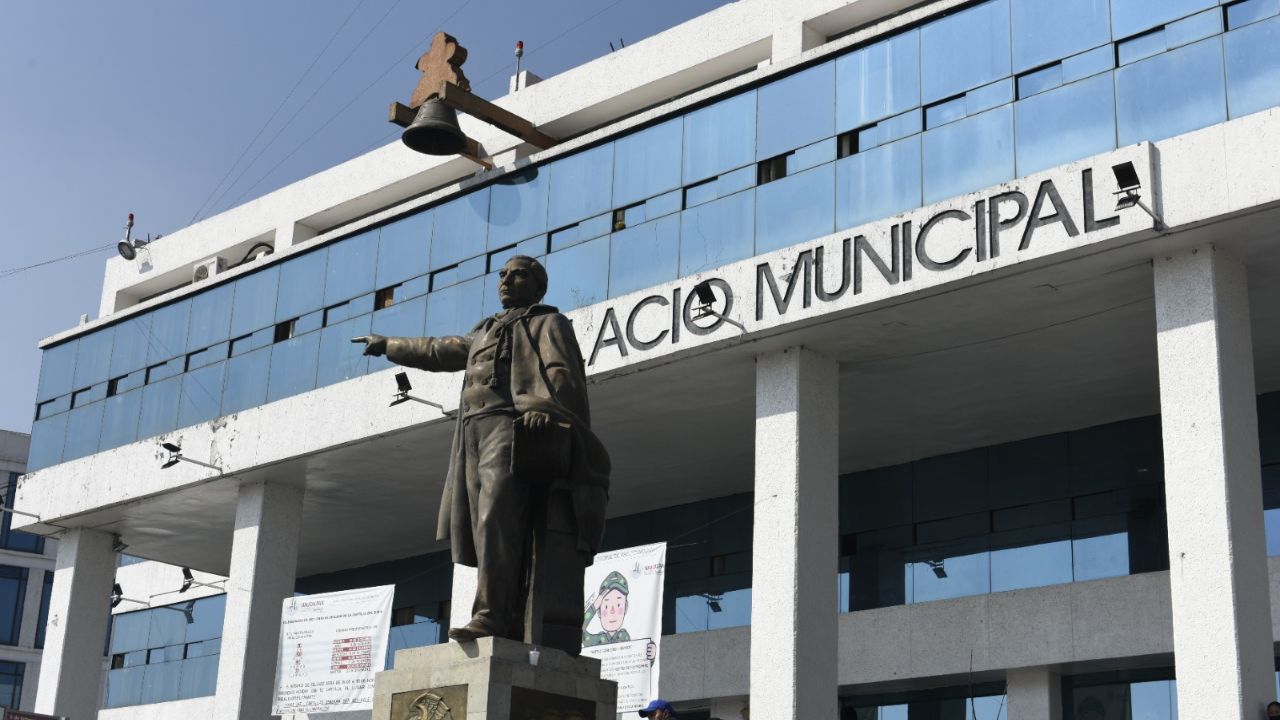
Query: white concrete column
[
  {"x": 795, "y": 536},
  {"x": 793, "y": 39},
  {"x": 31, "y": 607},
  {"x": 462, "y": 595},
  {"x": 264, "y": 557},
  {"x": 73, "y": 639},
  {"x": 1213, "y": 488},
  {"x": 1034, "y": 693}
]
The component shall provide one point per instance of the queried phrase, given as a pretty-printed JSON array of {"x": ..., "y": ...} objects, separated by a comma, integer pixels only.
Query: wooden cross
[{"x": 440, "y": 64}]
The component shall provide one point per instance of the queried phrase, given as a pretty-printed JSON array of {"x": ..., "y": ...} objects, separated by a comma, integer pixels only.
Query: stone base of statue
[{"x": 492, "y": 679}]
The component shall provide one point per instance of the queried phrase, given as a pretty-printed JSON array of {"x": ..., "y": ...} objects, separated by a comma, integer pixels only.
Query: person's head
[
  {"x": 1273, "y": 709},
  {"x": 613, "y": 601},
  {"x": 658, "y": 710},
  {"x": 522, "y": 281}
]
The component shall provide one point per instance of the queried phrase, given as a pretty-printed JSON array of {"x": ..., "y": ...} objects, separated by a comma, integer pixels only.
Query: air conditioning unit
[{"x": 207, "y": 268}]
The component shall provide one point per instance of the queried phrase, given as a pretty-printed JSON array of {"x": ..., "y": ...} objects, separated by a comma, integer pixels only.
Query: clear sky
[{"x": 144, "y": 106}]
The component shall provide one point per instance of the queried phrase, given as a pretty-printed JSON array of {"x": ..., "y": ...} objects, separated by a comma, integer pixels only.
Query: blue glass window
[
  {"x": 1253, "y": 67},
  {"x": 13, "y": 589},
  {"x": 461, "y": 228},
  {"x": 47, "y": 438},
  {"x": 201, "y": 394},
  {"x": 1100, "y": 556},
  {"x": 796, "y": 111},
  {"x": 964, "y": 50},
  {"x": 1171, "y": 93},
  {"x": 129, "y": 351},
  {"x": 84, "y": 425},
  {"x": 120, "y": 419},
  {"x": 1045, "y": 30},
  {"x": 293, "y": 366},
  {"x": 644, "y": 255},
  {"x": 717, "y": 232},
  {"x": 423, "y": 631},
  {"x": 1030, "y": 566},
  {"x": 57, "y": 368},
  {"x": 969, "y": 154},
  {"x": 407, "y": 319},
  {"x": 246, "y": 381},
  {"x": 517, "y": 207},
  {"x": 1243, "y": 13},
  {"x": 199, "y": 677},
  {"x": 698, "y": 611},
  {"x": 580, "y": 186},
  {"x": 404, "y": 249},
  {"x": 878, "y": 81},
  {"x": 1129, "y": 17},
  {"x": 455, "y": 310},
  {"x": 93, "y": 359},
  {"x": 159, "y": 413},
  {"x": 340, "y": 359},
  {"x": 720, "y": 137},
  {"x": 949, "y": 576},
  {"x": 168, "y": 338},
  {"x": 1196, "y": 27},
  {"x": 647, "y": 163},
  {"x": 254, "y": 306},
  {"x": 17, "y": 540},
  {"x": 165, "y": 653},
  {"x": 796, "y": 208},
  {"x": 1088, "y": 63},
  {"x": 210, "y": 317},
  {"x": 11, "y": 674},
  {"x": 1065, "y": 124},
  {"x": 579, "y": 275},
  {"x": 352, "y": 265},
  {"x": 301, "y": 285}
]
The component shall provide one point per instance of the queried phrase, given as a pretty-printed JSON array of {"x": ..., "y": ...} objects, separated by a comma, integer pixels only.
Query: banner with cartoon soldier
[{"x": 622, "y": 620}]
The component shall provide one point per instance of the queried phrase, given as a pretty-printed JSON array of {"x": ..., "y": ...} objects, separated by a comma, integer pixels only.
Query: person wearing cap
[
  {"x": 658, "y": 710},
  {"x": 611, "y": 602}
]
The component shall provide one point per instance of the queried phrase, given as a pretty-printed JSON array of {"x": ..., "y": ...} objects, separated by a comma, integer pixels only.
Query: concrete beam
[
  {"x": 795, "y": 536},
  {"x": 1217, "y": 548}
]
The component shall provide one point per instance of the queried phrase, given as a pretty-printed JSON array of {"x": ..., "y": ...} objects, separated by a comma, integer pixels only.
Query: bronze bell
[{"x": 435, "y": 131}]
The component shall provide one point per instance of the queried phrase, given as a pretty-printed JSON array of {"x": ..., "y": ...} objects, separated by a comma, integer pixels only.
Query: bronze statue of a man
[{"x": 524, "y": 499}]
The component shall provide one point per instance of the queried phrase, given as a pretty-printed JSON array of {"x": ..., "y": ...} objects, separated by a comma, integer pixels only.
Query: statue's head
[{"x": 522, "y": 282}]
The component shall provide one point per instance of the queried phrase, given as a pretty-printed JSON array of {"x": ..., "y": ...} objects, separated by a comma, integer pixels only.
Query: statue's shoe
[{"x": 471, "y": 631}]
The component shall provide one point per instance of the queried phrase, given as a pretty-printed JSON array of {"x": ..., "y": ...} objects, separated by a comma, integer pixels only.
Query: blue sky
[{"x": 144, "y": 106}]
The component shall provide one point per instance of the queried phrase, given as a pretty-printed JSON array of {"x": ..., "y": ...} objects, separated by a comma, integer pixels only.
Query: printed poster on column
[
  {"x": 622, "y": 620},
  {"x": 331, "y": 645}
]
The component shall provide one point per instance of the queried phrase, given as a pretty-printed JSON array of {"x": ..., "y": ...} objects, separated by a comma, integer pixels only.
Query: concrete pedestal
[{"x": 492, "y": 679}]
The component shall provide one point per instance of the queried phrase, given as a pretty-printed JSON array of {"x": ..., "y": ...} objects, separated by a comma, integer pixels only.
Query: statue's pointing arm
[
  {"x": 434, "y": 354},
  {"x": 442, "y": 354}
]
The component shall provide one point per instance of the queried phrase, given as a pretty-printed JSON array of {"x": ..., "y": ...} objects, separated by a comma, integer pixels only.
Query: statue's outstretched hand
[{"x": 373, "y": 344}]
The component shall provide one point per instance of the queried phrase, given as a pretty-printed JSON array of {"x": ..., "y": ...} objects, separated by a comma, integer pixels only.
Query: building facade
[
  {"x": 26, "y": 585},
  {"x": 938, "y": 341}
]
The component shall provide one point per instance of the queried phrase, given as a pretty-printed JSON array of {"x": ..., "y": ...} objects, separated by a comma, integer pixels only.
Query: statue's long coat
[{"x": 547, "y": 374}]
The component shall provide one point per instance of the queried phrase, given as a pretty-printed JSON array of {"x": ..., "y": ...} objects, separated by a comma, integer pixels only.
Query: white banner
[
  {"x": 622, "y": 620},
  {"x": 331, "y": 646}
]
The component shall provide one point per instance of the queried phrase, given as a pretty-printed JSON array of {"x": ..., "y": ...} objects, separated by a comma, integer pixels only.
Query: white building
[
  {"x": 978, "y": 424},
  {"x": 26, "y": 582}
]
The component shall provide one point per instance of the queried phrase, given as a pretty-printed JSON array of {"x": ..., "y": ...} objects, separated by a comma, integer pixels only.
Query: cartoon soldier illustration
[{"x": 610, "y": 602}]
